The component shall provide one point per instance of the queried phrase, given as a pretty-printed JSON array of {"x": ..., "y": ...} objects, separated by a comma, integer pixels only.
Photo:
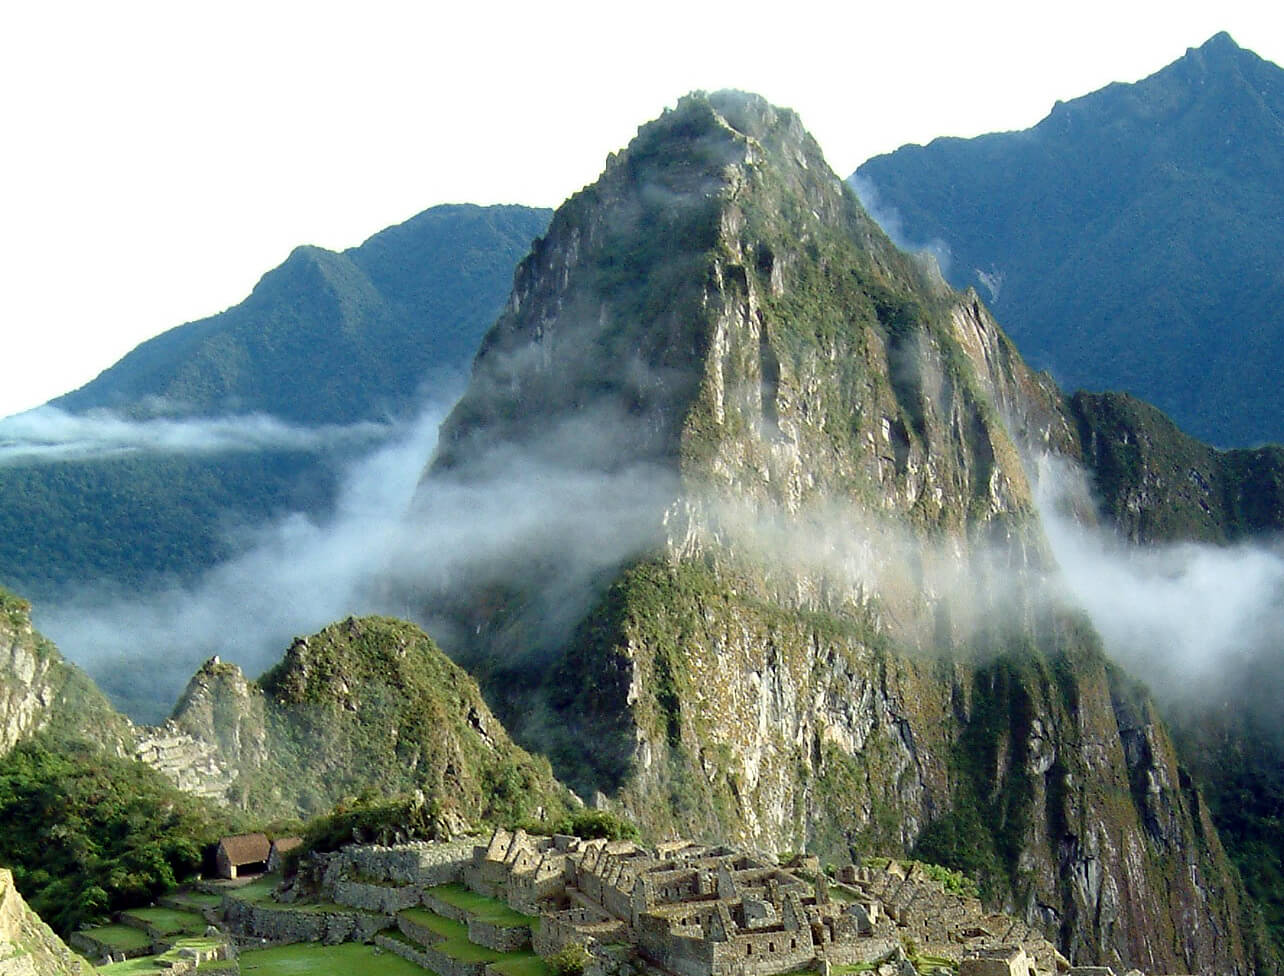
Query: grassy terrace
[
  {"x": 169, "y": 921},
  {"x": 197, "y": 900},
  {"x": 151, "y": 965},
  {"x": 487, "y": 909},
  {"x": 447, "y": 928},
  {"x": 307, "y": 959},
  {"x": 120, "y": 938},
  {"x": 522, "y": 964},
  {"x": 454, "y": 937},
  {"x": 256, "y": 891}
]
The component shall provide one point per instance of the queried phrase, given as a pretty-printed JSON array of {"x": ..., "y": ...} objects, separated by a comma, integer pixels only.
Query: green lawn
[
  {"x": 255, "y": 891},
  {"x": 197, "y": 899},
  {"x": 170, "y": 921},
  {"x": 447, "y": 928},
  {"x": 487, "y": 909},
  {"x": 142, "y": 966},
  {"x": 522, "y": 964},
  {"x": 307, "y": 959},
  {"x": 149, "y": 965},
  {"x": 120, "y": 938}
]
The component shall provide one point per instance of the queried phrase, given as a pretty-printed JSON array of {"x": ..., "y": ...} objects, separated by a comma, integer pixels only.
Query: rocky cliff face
[
  {"x": 28, "y": 947},
  {"x": 365, "y": 705},
  {"x": 41, "y": 691},
  {"x": 834, "y": 632}
]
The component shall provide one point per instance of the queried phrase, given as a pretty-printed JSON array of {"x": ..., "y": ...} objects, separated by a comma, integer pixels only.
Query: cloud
[
  {"x": 48, "y": 435},
  {"x": 889, "y": 218},
  {"x": 1196, "y": 622},
  {"x": 546, "y": 517},
  {"x": 293, "y": 576}
]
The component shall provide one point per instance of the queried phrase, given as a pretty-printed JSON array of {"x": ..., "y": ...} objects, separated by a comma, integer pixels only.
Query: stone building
[
  {"x": 243, "y": 854},
  {"x": 281, "y": 847}
]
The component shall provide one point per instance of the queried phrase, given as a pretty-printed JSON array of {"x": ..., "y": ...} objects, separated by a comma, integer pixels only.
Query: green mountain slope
[
  {"x": 332, "y": 338},
  {"x": 1156, "y": 486},
  {"x": 324, "y": 339},
  {"x": 43, "y": 693},
  {"x": 1125, "y": 240},
  {"x": 366, "y": 706},
  {"x": 831, "y": 636}
]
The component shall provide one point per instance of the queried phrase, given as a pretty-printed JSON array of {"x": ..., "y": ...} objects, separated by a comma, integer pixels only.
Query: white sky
[{"x": 157, "y": 158}]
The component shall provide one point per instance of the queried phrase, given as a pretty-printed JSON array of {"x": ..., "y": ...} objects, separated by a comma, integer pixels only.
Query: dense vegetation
[
  {"x": 87, "y": 834},
  {"x": 368, "y": 708},
  {"x": 1124, "y": 240},
  {"x": 364, "y": 335},
  {"x": 332, "y": 338}
]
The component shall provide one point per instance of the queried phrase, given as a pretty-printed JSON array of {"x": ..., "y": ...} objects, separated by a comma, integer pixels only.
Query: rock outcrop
[
  {"x": 366, "y": 705},
  {"x": 28, "y": 947},
  {"x": 40, "y": 691},
  {"x": 831, "y": 628}
]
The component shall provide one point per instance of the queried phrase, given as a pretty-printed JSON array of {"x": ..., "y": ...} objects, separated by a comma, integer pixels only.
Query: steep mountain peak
[{"x": 1156, "y": 200}]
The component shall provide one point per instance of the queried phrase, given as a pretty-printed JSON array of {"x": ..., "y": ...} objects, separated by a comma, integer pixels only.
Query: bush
[
  {"x": 596, "y": 824},
  {"x": 570, "y": 960}
]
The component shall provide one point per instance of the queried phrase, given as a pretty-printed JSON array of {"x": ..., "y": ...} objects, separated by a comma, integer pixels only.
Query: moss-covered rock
[
  {"x": 366, "y": 707},
  {"x": 830, "y": 637}
]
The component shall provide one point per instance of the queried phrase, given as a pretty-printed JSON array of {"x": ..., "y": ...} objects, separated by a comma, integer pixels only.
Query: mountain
[
  {"x": 334, "y": 345},
  {"x": 1124, "y": 241},
  {"x": 41, "y": 692},
  {"x": 365, "y": 706},
  {"x": 101, "y": 815},
  {"x": 1159, "y": 488},
  {"x": 28, "y": 947},
  {"x": 797, "y": 595},
  {"x": 335, "y": 338}
]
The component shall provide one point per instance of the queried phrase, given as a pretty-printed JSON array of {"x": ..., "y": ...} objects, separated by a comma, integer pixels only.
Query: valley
[{"x": 742, "y": 622}]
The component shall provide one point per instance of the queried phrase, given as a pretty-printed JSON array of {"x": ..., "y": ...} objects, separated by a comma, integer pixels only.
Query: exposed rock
[
  {"x": 40, "y": 691},
  {"x": 28, "y": 947},
  {"x": 830, "y": 632}
]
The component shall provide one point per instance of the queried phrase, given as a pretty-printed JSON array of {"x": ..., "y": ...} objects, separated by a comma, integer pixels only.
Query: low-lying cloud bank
[
  {"x": 543, "y": 528},
  {"x": 1198, "y": 623},
  {"x": 48, "y": 435}
]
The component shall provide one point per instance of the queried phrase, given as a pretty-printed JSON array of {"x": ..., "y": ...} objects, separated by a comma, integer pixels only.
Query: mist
[
  {"x": 889, "y": 218},
  {"x": 536, "y": 517},
  {"x": 1197, "y": 623},
  {"x": 48, "y": 435},
  {"x": 293, "y": 575}
]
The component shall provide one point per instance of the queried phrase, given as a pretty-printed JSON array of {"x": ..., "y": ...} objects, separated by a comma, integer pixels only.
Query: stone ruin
[
  {"x": 685, "y": 908},
  {"x": 698, "y": 910}
]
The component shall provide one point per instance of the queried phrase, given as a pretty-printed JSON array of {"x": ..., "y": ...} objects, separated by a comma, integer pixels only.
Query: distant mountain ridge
[
  {"x": 326, "y": 338},
  {"x": 335, "y": 337},
  {"x": 1128, "y": 240}
]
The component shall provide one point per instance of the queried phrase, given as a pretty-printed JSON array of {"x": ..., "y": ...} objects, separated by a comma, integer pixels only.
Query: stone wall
[
  {"x": 419, "y": 863},
  {"x": 190, "y": 764},
  {"x": 764, "y": 952},
  {"x": 433, "y": 960},
  {"x": 279, "y": 924},
  {"x": 444, "y": 908},
  {"x": 501, "y": 938},
  {"x": 379, "y": 898}
]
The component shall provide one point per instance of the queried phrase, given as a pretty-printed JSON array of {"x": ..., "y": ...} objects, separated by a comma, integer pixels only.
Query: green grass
[
  {"x": 522, "y": 964},
  {"x": 142, "y": 966},
  {"x": 120, "y": 938},
  {"x": 197, "y": 899},
  {"x": 308, "y": 959},
  {"x": 169, "y": 921},
  {"x": 147, "y": 965},
  {"x": 447, "y": 928},
  {"x": 256, "y": 891},
  {"x": 486, "y": 909}
]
